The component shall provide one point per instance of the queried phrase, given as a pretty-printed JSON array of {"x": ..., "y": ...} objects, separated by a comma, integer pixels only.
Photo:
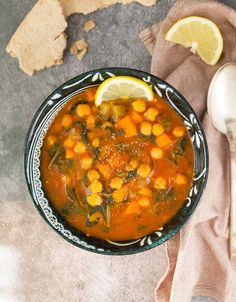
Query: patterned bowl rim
[{"x": 54, "y": 103}]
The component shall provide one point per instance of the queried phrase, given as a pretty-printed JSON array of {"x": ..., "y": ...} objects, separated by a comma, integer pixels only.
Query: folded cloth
[{"x": 198, "y": 256}]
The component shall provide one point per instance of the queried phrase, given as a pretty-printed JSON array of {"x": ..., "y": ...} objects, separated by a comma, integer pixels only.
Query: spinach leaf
[
  {"x": 180, "y": 147},
  {"x": 110, "y": 132},
  {"x": 130, "y": 175},
  {"x": 71, "y": 194},
  {"x": 64, "y": 165},
  {"x": 104, "y": 210},
  {"x": 127, "y": 175},
  {"x": 55, "y": 152},
  {"x": 120, "y": 132},
  {"x": 96, "y": 153},
  {"x": 165, "y": 121},
  {"x": 92, "y": 223},
  {"x": 98, "y": 124},
  {"x": 106, "y": 213},
  {"x": 73, "y": 208},
  {"x": 178, "y": 150},
  {"x": 109, "y": 199},
  {"x": 93, "y": 210},
  {"x": 108, "y": 216},
  {"x": 107, "y": 191},
  {"x": 85, "y": 180},
  {"x": 84, "y": 133},
  {"x": 145, "y": 138},
  {"x": 163, "y": 194}
]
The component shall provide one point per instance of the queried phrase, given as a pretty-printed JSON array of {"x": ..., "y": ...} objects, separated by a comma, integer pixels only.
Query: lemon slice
[
  {"x": 201, "y": 34},
  {"x": 122, "y": 87}
]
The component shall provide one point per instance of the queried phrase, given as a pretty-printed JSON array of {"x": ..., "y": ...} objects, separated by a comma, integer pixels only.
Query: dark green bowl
[{"x": 36, "y": 133}]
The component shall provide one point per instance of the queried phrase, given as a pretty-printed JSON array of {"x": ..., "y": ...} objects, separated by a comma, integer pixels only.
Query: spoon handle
[{"x": 233, "y": 201}]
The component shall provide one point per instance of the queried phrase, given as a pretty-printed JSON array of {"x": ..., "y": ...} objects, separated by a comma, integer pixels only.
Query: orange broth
[{"x": 110, "y": 172}]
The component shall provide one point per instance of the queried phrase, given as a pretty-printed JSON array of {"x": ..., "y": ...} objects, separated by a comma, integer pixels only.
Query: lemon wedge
[
  {"x": 201, "y": 35},
  {"x": 123, "y": 87}
]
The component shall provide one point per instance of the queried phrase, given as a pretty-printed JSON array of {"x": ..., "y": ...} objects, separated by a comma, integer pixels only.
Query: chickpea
[
  {"x": 145, "y": 191},
  {"x": 94, "y": 200},
  {"x": 104, "y": 170},
  {"x": 132, "y": 165},
  {"x": 83, "y": 110},
  {"x": 151, "y": 114},
  {"x": 69, "y": 142},
  {"x": 178, "y": 131},
  {"x": 90, "y": 121},
  {"x": 80, "y": 147},
  {"x": 51, "y": 140},
  {"x": 146, "y": 128},
  {"x": 144, "y": 202},
  {"x": 96, "y": 142},
  {"x": 106, "y": 124},
  {"x": 67, "y": 120},
  {"x": 160, "y": 183},
  {"x": 157, "y": 129},
  {"x": 139, "y": 105},
  {"x": 116, "y": 183},
  {"x": 120, "y": 194},
  {"x": 144, "y": 170},
  {"x": 86, "y": 162},
  {"x": 93, "y": 174},
  {"x": 96, "y": 186},
  {"x": 157, "y": 153},
  {"x": 180, "y": 179}
]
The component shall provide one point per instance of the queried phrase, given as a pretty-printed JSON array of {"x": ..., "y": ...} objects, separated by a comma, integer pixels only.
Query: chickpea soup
[{"x": 118, "y": 171}]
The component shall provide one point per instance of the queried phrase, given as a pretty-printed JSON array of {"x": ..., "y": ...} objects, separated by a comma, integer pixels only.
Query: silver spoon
[{"x": 221, "y": 104}]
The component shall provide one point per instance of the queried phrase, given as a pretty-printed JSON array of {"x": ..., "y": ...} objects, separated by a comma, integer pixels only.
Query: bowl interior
[{"x": 38, "y": 129}]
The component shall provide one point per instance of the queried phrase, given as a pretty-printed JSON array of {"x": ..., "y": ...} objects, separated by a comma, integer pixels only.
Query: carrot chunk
[
  {"x": 163, "y": 140},
  {"x": 128, "y": 125}
]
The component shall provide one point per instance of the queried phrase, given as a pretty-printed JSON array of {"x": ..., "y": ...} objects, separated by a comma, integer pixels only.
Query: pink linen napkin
[{"x": 198, "y": 257}]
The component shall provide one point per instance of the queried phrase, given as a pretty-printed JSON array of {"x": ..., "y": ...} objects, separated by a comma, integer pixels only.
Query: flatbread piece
[
  {"x": 39, "y": 41},
  {"x": 88, "y": 6}
]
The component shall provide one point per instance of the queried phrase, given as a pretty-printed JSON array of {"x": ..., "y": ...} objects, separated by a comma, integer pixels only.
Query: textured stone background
[{"x": 35, "y": 263}]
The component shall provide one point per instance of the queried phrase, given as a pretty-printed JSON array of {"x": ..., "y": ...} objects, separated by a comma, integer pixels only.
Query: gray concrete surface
[{"x": 35, "y": 263}]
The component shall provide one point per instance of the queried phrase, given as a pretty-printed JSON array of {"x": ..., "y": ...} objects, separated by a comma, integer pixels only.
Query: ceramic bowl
[{"x": 36, "y": 133}]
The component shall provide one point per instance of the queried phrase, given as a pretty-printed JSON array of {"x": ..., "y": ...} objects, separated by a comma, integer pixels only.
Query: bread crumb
[
  {"x": 89, "y": 25},
  {"x": 74, "y": 49},
  {"x": 81, "y": 44},
  {"x": 79, "y": 49},
  {"x": 81, "y": 54}
]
